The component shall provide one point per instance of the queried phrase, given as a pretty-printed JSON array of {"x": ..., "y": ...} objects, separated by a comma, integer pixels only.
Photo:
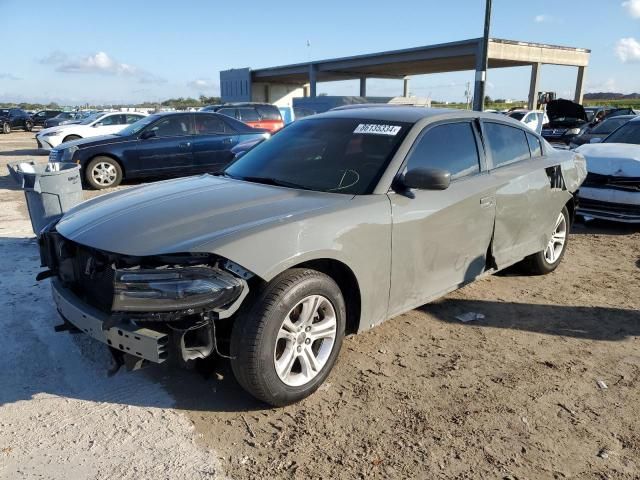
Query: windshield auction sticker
[{"x": 377, "y": 129}]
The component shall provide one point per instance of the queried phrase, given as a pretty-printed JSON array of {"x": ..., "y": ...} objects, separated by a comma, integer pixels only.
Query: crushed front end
[{"x": 150, "y": 308}]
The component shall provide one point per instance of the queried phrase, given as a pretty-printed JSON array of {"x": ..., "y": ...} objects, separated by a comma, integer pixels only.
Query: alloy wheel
[
  {"x": 557, "y": 240},
  {"x": 104, "y": 174},
  {"x": 305, "y": 340}
]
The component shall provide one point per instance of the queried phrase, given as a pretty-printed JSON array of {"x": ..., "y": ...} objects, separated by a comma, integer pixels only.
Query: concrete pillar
[
  {"x": 534, "y": 86},
  {"x": 405, "y": 87},
  {"x": 305, "y": 90},
  {"x": 313, "y": 73},
  {"x": 580, "y": 84},
  {"x": 363, "y": 86}
]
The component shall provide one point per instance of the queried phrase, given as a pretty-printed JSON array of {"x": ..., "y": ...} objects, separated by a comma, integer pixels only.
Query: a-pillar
[
  {"x": 534, "y": 86},
  {"x": 580, "y": 84}
]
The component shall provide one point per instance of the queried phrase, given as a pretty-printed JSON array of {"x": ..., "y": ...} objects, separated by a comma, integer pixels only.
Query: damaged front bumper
[
  {"x": 143, "y": 308},
  {"x": 124, "y": 336}
]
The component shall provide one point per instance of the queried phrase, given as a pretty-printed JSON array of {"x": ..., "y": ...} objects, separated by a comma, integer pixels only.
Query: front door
[
  {"x": 169, "y": 151},
  {"x": 441, "y": 237}
]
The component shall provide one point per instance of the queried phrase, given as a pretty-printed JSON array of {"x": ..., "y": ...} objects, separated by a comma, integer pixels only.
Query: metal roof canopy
[{"x": 440, "y": 58}]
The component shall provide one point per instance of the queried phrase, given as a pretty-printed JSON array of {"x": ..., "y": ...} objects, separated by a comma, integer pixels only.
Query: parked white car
[
  {"x": 100, "y": 123},
  {"x": 531, "y": 118}
]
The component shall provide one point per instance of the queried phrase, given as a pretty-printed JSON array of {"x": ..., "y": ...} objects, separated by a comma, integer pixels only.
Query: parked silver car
[{"x": 335, "y": 224}]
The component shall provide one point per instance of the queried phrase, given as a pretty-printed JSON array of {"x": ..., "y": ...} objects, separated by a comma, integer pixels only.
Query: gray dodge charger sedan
[{"x": 335, "y": 224}]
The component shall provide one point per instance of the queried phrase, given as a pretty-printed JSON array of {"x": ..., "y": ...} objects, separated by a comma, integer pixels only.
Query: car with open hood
[
  {"x": 335, "y": 224},
  {"x": 566, "y": 120},
  {"x": 611, "y": 190}
]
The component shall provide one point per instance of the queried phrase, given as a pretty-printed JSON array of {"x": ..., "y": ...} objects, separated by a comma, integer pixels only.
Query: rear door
[
  {"x": 109, "y": 124},
  {"x": 170, "y": 150},
  {"x": 212, "y": 143},
  {"x": 525, "y": 203},
  {"x": 441, "y": 237}
]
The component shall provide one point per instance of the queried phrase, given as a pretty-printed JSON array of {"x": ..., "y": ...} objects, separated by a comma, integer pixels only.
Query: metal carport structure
[{"x": 273, "y": 83}]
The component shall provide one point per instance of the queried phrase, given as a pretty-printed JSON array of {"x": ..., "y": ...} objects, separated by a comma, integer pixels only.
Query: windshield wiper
[{"x": 273, "y": 181}]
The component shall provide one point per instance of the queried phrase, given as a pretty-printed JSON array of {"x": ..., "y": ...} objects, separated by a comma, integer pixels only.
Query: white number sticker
[{"x": 377, "y": 129}]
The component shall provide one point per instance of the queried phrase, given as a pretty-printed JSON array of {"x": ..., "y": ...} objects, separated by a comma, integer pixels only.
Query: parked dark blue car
[{"x": 165, "y": 144}]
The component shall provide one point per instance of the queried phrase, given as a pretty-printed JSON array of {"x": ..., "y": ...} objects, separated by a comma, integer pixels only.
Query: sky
[{"x": 79, "y": 51}]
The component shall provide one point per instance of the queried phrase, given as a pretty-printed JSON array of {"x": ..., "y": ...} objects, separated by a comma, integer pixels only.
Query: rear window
[
  {"x": 229, "y": 112},
  {"x": 248, "y": 114},
  {"x": 506, "y": 144},
  {"x": 269, "y": 112}
]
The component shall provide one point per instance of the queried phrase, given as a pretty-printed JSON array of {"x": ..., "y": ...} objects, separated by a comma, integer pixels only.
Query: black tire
[
  {"x": 6, "y": 127},
  {"x": 28, "y": 126},
  {"x": 93, "y": 182},
  {"x": 71, "y": 138},
  {"x": 255, "y": 331},
  {"x": 538, "y": 263}
]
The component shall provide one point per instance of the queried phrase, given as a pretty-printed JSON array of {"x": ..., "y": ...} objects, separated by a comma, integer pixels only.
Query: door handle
[
  {"x": 487, "y": 202},
  {"x": 184, "y": 145}
]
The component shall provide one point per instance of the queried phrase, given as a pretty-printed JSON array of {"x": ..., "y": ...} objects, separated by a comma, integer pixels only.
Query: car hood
[
  {"x": 565, "y": 109},
  {"x": 616, "y": 159},
  {"x": 95, "y": 141},
  {"x": 187, "y": 214}
]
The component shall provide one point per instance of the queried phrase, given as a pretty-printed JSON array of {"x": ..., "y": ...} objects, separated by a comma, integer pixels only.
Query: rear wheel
[
  {"x": 71, "y": 138},
  {"x": 548, "y": 260},
  {"x": 286, "y": 342},
  {"x": 103, "y": 172},
  {"x": 28, "y": 125},
  {"x": 6, "y": 127}
]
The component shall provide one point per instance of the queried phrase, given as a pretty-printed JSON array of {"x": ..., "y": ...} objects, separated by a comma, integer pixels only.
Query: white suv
[{"x": 100, "y": 123}]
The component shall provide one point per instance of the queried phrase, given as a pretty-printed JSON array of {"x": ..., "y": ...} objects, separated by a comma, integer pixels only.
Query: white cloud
[
  {"x": 633, "y": 7},
  {"x": 99, "y": 63},
  {"x": 202, "y": 85},
  {"x": 8, "y": 76},
  {"x": 628, "y": 50},
  {"x": 542, "y": 18}
]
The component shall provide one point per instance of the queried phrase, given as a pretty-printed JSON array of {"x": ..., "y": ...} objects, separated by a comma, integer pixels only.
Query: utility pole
[
  {"x": 481, "y": 69},
  {"x": 467, "y": 94}
]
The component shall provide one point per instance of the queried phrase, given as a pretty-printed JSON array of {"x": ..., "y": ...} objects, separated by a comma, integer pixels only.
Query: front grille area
[
  {"x": 94, "y": 279},
  {"x": 617, "y": 208},
  {"x": 596, "y": 180}
]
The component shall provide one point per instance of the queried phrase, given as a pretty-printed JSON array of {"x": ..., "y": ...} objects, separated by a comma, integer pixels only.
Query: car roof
[
  {"x": 410, "y": 114},
  {"x": 636, "y": 118}
]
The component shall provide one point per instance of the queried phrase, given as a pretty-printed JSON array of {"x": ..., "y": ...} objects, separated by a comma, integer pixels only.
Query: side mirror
[
  {"x": 427, "y": 179},
  {"x": 148, "y": 134},
  {"x": 595, "y": 140}
]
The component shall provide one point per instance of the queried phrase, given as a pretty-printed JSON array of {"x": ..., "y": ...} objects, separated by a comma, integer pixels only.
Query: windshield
[
  {"x": 628, "y": 133},
  {"x": 91, "y": 118},
  {"x": 341, "y": 155},
  {"x": 4, "y": 111},
  {"x": 137, "y": 126},
  {"x": 610, "y": 125},
  {"x": 517, "y": 115}
]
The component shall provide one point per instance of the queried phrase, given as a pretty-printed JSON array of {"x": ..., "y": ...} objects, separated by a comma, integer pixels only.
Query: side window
[
  {"x": 507, "y": 144},
  {"x": 248, "y": 115},
  {"x": 451, "y": 147},
  {"x": 108, "y": 121},
  {"x": 268, "y": 112},
  {"x": 209, "y": 125},
  {"x": 172, "y": 126},
  {"x": 534, "y": 145},
  {"x": 132, "y": 119}
]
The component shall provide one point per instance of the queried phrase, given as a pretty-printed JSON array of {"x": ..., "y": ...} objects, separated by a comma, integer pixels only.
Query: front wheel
[
  {"x": 71, "y": 138},
  {"x": 103, "y": 172},
  {"x": 6, "y": 127},
  {"x": 28, "y": 125},
  {"x": 284, "y": 345},
  {"x": 548, "y": 260}
]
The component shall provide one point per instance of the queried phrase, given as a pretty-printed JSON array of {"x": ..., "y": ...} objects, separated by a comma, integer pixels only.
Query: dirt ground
[{"x": 512, "y": 396}]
